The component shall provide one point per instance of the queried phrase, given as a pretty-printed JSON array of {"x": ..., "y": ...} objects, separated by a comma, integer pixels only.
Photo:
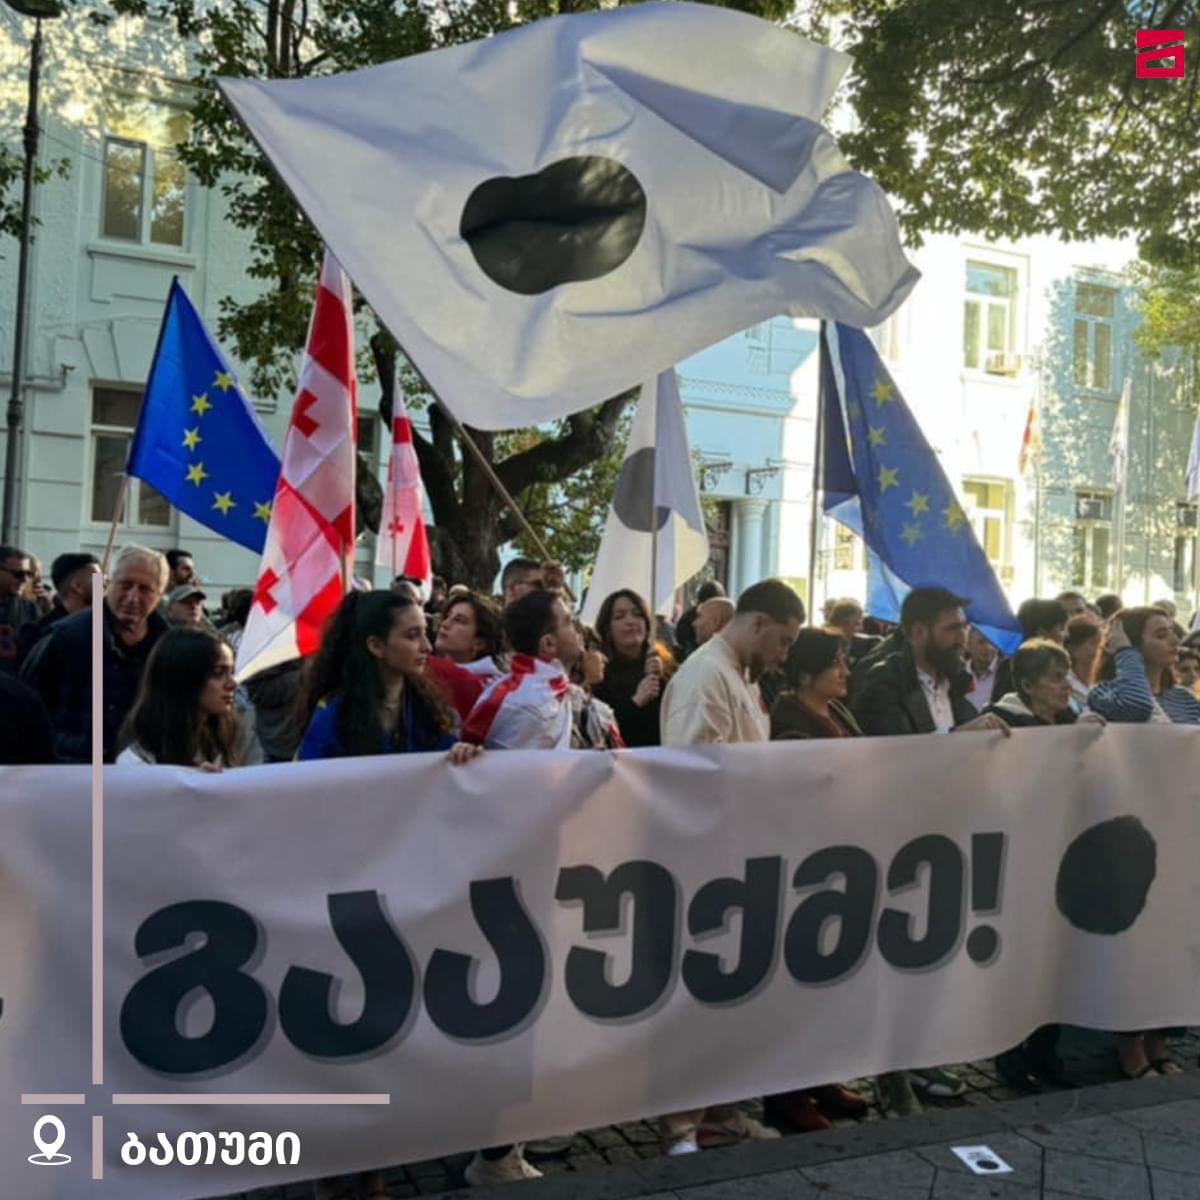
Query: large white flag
[
  {"x": 656, "y": 478},
  {"x": 561, "y": 211}
]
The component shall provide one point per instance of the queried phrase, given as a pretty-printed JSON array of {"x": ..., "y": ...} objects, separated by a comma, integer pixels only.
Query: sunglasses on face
[{"x": 17, "y": 574}]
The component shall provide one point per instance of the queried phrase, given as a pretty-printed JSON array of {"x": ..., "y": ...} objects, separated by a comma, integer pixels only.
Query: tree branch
[{"x": 587, "y": 436}]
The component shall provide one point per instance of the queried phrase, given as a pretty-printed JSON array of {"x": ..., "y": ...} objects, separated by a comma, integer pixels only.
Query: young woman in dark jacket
[{"x": 637, "y": 669}]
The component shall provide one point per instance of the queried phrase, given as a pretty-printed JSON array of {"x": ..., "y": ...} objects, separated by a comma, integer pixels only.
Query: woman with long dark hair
[
  {"x": 184, "y": 714},
  {"x": 1137, "y": 685},
  {"x": 637, "y": 669},
  {"x": 366, "y": 690}
]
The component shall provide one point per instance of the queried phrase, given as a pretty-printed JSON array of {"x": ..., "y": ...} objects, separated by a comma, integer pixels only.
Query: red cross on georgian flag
[
  {"x": 310, "y": 540},
  {"x": 403, "y": 546}
]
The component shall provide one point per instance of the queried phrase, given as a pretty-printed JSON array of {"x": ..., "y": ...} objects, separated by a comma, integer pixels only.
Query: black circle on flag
[
  {"x": 577, "y": 219},
  {"x": 1105, "y": 876},
  {"x": 634, "y": 492}
]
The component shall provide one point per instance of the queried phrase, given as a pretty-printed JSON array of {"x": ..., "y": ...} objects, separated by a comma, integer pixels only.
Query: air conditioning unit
[
  {"x": 1002, "y": 364},
  {"x": 1092, "y": 508}
]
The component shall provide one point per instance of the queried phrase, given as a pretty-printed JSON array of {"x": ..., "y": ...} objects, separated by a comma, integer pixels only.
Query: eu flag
[
  {"x": 198, "y": 440},
  {"x": 883, "y": 481}
]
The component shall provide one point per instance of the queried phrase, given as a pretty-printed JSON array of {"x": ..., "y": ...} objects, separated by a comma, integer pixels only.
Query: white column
[{"x": 748, "y": 540}]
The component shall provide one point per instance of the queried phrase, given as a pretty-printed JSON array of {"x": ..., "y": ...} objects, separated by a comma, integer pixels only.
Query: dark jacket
[
  {"x": 638, "y": 725},
  {"x": 792, "y": 719},
  {"x": 890, "y": 699},
  {"x": 59, "y": 669},
  {"x": 882, "y": 648},
  {"x": 31, "y": 634},
  {"x": 1013, "y": 711},
  {"x": 24, "y": 726},
  {"x": 15, "y": 614}
]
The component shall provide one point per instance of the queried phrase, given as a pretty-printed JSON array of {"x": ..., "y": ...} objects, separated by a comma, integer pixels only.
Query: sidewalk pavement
[{"x": 1109, "y": 1139}]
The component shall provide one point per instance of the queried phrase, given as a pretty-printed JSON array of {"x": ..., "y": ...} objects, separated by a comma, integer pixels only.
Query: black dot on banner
[
  {"x": 634, "y": 492},
  {"x": 1105, "y": 876},
  {"x": 576, "y": 220},
  {"x": 982, "y": 944}
]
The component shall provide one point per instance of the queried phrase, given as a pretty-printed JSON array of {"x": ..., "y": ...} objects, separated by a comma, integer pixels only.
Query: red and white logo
[{"x": 1153, "y": 46}]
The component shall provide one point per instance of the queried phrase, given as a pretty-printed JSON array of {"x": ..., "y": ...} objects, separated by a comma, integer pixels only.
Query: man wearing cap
[{"x": 185, "y": 606}]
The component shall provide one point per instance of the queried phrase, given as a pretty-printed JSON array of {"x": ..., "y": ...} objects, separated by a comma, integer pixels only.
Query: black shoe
[
  {"x": 1013, "y": 1068},
  {"x": 1051, "y": 1071}
]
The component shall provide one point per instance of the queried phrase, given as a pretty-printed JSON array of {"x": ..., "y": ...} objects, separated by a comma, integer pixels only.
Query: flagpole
[
  {"x": 118, "y": 514},
  {"x": 815, "y": 520},
  {"x": 1125, "y": 413}
]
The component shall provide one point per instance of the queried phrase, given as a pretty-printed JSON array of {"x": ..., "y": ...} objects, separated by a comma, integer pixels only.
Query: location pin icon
[{"x": 49, "y": 1147}]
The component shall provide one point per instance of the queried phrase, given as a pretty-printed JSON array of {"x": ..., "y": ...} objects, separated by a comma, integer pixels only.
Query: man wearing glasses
[{"x": 15, "y": 610}]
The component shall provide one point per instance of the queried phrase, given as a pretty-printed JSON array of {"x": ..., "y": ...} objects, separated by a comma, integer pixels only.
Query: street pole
[{"x": 15, "y": 406}]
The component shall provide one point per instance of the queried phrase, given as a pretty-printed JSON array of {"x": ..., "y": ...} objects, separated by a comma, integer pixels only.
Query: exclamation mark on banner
[{"x": 987, "y": 859}]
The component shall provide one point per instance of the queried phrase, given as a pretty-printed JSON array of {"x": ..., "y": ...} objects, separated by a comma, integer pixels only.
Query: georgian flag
[
  {"x": 657, "y": 477},
  {"x": 563, "y": 210},
  {"x": 403, "y": 545},
  {"x": 310, "y": 540}
]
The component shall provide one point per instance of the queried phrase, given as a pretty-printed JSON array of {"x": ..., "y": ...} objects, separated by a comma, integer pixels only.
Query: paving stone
[
  {"x": 1172, "y": 1153},
  {"x": 899, "y": 1175},
  {"x": 1024, "y": 1156},
  {"x": 778, "y": 1185},
  {"x": 1173, "y": 1185},
  {"x": 654, "y": 1151},
  {"x": 952, "y": 1186},
  {"x": 584, "y": 1162},
  {"x": 638, "y": 1133},
  {"x": 1100, "y": 1137},
  {"x": 621, "y": 1154},
  {"x": 603, "y": 1138},
  {"x": 1081, "y": 1175},
  {"x": 1179, "y": 1119}
]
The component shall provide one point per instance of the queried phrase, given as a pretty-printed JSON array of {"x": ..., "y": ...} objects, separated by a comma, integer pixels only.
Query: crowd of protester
[{"x": 465, "y": 675}]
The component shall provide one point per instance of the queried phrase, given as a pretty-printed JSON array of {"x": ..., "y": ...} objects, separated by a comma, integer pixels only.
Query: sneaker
[
  {"x": 684, "y": 1145},
  {"x": 938, "y": 1083},
  {"x": 737, "y": 1128},
  {"x": 482, "y": 1171},
  {"x": 895, "y": 1092}
]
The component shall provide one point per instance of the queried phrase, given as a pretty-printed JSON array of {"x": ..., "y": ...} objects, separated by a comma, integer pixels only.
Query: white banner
[{"x": 537, "y": 943}]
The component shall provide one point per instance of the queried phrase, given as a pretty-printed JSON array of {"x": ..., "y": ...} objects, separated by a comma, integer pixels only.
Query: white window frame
[
  {"x": 149, "y": 161},
  {"x": 979, "y": 515},
  {"x": 993, "y": 364},
  {"x": 96, "y": 429},
  {"x": 1088, "y": 526},
  {"x": 1092, "y": 322}
]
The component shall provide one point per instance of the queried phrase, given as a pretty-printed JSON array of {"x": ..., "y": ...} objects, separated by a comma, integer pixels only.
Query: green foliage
[
  {"x": 1014, "y": 117},
  {"x": 1168, "y": 299}
]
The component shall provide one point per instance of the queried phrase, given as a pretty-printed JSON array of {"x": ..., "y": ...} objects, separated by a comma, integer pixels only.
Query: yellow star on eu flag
[
  {"x": 224, "y": 501},
  {"x": 878, "y": 436},
  {"x": 200, "y": 403},
  {"x": 912, "y": 534},
  {"x": 954, "y": 517},
  {"x": 196, "y": 473},
  {"x": 262, "y": 512},
  {"x": 223, "y": 380},
  {"x": 888, "y": 477},
  {"x": 919, "y": 504},
  {"x": 882, "y": 391},
  {"x": 191, "y": 437}
]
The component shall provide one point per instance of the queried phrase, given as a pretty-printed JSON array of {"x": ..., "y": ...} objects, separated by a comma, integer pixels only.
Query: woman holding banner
[
  {"x": 818, "y": 679},
  {"x": 367, "y": 692},
  {"x": 1137, "y": 685},
  {"x": 184, "y": 714}
]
